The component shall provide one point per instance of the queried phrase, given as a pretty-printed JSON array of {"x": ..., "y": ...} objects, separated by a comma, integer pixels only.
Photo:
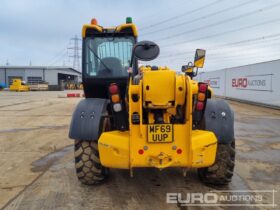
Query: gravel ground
[{"x": 37, "y": 168}]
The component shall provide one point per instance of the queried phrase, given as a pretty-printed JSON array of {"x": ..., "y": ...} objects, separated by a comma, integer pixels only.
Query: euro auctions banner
[
  {"x": 213, "y": 82},
  {"x": 257, "y": 82}
]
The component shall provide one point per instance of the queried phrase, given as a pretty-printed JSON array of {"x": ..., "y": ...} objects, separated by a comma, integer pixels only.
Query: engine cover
[{"x": 158, "y": 89}]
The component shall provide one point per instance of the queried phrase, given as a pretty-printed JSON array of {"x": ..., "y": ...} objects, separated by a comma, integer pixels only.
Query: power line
[
  {"x": 240, "y": 61},
  {"x": 249, "y": 56},
  {"x": 179, "y": 16},
  {"x": 223, "y": 55},
  {"x": 237, "y": 53},
  {"x": 221, "y": 22},
  {"x": 61, "y": 52},
  {"x": 59, "y": 57},
  {"x": 149, "y": 16},
  {"x": 260, "y": 46},
  {"x": 257, "y": 58},
  {"x": 200, "y": 18},
  {"x": 262, "y": 38},
  {"x": 242, "y": 53},
  {"x": 222, "y": 33}
]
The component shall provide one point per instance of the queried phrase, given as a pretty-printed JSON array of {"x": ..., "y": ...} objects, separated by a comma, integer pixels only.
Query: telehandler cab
[{"x": 149, "y": 116}]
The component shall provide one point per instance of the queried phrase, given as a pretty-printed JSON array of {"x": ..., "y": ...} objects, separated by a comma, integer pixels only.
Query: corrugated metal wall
[{"x": 259, "y": 83}]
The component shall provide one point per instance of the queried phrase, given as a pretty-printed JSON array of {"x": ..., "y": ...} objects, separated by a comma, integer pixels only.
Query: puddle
[{"x": 45, "y": 162}]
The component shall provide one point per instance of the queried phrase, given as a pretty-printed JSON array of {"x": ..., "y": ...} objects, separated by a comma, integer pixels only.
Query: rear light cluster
[
  {"x": 201, "y": 96},
  {"x": 200, "y": 103},
  {"x": 117, "y": 107},
  {"x": 115, "y": 97}
]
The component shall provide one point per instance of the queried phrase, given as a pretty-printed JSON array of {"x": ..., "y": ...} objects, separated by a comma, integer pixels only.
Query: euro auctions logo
[
  {"x": 245, "y": 82},
  {"x": 253, "y": 82},
  {"x": 213, "y": 82},
  {"x": 224, "y": 198},
  {"x": 240, "y": 82}
]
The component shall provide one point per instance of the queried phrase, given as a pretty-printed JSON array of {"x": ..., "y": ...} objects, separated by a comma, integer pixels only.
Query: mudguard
[
  {"x": 86, "y": 118},
  {"x": 219, "y": 118}
]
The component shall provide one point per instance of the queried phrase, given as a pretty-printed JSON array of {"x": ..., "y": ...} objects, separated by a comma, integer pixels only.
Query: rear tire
[
  {"x": 87, "y": 163},
  {"x": 222, "y": 171}
]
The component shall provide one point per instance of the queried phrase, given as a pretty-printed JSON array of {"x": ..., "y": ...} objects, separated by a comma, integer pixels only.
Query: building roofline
[{"x": 40, "y": 67}]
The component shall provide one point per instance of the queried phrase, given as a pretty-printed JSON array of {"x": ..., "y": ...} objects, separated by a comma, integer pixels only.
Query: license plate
[{"x": 160, "y": 133}]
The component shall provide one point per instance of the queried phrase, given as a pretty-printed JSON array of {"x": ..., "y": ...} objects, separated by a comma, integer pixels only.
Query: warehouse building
[{"x": 36, "y": 74}]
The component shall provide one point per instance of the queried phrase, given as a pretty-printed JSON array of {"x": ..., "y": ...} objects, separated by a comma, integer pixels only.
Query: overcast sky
[{"x": 233, "y": 33}]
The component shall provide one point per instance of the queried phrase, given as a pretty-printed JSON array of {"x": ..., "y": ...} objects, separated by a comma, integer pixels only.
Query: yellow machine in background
[
  {"x": 72, "y": 85},
  {"x": 19, "y": 85}
]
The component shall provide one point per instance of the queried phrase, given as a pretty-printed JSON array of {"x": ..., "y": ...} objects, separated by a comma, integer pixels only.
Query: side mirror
[
  {"x": 199, "y": 58},
  {"x": 188, "y": 68},
  {"x": 146, "y": 50}
]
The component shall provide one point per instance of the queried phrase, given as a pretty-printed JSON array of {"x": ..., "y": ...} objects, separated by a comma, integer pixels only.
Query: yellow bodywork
[
  {"x": 18, "y": 85},
  {"x": 160, "y": 89}
]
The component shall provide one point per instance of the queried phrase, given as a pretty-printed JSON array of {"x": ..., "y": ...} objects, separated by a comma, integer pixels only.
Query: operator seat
[{"x": 114, "y": 65}]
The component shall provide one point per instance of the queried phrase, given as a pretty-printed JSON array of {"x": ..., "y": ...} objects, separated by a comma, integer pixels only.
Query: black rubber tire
[
  {"x": 222, "y": 171},
  {"x": 87, "y": 163}
]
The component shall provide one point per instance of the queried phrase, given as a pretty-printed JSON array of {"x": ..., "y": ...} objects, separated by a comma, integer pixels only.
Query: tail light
[
  {"x": 202, "y": 92},
  {"x": 113, "y": 89},
  {"x": 201, "y": 96},
  {"x": 115, "y": 97},
  {"x": 117, "y": 107},
  {"x": 202, "y": 87},
  {"x": 199, "y": 106},
  {"x": 200, "y": 103}
]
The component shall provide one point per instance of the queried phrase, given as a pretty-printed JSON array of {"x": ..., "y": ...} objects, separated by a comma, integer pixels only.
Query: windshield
[{"x": 108, "y": 56}]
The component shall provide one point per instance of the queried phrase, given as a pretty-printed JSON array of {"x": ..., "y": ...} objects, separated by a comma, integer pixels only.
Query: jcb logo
[{"x": 240, "y": 82}]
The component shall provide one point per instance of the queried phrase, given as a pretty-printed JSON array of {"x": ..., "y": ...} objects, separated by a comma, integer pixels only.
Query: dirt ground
[{"x": 37, "y": 168}]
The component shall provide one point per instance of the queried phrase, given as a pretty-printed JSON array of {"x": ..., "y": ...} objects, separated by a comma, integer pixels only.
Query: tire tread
[
  {"x": 87, "y": 163},
  {"x": 222, "y": 171}
]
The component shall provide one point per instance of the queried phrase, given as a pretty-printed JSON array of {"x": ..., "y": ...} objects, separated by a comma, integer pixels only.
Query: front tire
[
  {"x": 222, "y": 171},
  {"x": 87, "y": 163}
]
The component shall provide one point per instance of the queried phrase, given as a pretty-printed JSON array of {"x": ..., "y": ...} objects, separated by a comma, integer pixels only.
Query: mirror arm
[{"x": 195, "y": 74}]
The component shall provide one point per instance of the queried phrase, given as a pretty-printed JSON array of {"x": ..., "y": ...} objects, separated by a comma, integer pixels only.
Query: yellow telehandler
[{"x": 148, "y": 116}]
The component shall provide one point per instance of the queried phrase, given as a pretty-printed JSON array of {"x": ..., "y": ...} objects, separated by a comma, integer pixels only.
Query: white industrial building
[
  {"x": 35, "y": 74},
  {"x": 257, "y": 83}
]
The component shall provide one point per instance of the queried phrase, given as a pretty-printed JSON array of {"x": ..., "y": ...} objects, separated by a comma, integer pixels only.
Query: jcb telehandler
[{"x": 147, "y": 116}]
